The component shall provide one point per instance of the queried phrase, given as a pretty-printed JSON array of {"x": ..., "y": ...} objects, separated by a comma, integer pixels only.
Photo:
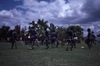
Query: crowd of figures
[{"x": 50, "y": 38}]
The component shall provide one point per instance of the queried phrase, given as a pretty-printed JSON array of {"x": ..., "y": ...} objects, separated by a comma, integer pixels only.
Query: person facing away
[
  {"x": 46, "y": 37},
  {"x": 70, "y": 34},
  {"x": 53, "y": 36},
  {"x": 33, "y": 37},
  {"x": 89, "y": 36},
  {"x": 13, "y": 39}
]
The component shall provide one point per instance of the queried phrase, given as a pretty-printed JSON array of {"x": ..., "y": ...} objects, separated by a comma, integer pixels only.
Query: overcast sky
[{"x": 85, "y": 13}]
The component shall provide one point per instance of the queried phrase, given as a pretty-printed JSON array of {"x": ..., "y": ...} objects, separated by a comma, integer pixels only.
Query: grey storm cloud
[
  {"x": 89, "y": 13},
  {"x": 92, "y": 9}
]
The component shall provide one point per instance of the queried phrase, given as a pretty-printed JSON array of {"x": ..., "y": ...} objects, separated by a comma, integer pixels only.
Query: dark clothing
[
  {"x": 33, "y": 38},
  {"x": 70, "y": 39},
  {"x": 34, "y": 32},
  {"x": 70, "y": 34},
  {"x": 53, "y": 34},
  {"x": 46, "y": 34},
  {"x": 14, "y": 35},
  {"x": 46, "y": 38},
  {"x": 33, "y": 35},
  {"x": 74, "y": 34},
  {"x": 89, "y": 40},
  {"x": 53, "y": 37},
  {"x": 89, "y": 36},
  {"x": 13, "y": 39},
  {"x": 14, "y": 43}
]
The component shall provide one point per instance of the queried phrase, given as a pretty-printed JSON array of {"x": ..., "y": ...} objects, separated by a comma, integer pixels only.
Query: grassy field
[{"x": 51, "y": 57}]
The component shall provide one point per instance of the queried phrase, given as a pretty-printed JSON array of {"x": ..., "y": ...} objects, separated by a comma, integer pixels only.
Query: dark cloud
[
  {"x": 92, "y": 9},
  {"x": 90, "y": 13}
]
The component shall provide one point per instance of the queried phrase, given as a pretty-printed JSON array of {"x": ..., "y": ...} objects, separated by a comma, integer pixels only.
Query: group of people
[
  {"x": 34, "y": 38},
  {"x": 51, "y": 38}
]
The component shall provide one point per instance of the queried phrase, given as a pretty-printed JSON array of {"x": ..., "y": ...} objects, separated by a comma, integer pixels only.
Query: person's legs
[
  {"x": 68, "y": 45},
  {"x": 46, "y": 42},
  {"x": 89, "y": 43},
  {"x": 74, "y": 43},
  {"x": 32, "y": 42},
  {"x": 94, "y": 42},
  {"x": 57, "y": 42},
  {"x": 52, "y": 43},
  {"x": 71, "y": 44},
  {"x": 47, "y": 46},
  {"x": 12, "y": 44},
  {"x": 37, "y": 43},
  {"x": 15, "y": 44}
]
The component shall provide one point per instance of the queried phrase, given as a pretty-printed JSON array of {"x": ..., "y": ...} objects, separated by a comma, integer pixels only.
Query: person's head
[{"x": 89, "y": 30}]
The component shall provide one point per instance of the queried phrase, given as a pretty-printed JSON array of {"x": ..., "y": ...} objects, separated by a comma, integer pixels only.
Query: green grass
[{"x": 51, "y": 57}]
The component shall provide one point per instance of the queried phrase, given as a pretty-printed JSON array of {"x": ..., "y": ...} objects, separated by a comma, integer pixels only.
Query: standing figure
[
  {"x": 54, "y": 38},
  {"x": 75, "y": 38},
  {"x": 33, "y": 38},
  {"x": 46, "y": 40},
  {"x": 70, "y": 37},
  {"x": 13, "y": 39},
  {"x": 89, "y": 38}
]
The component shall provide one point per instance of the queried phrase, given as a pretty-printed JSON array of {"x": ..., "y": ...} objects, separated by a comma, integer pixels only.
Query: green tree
[
  {"x": 61, "y": 33},
  {"x": 4, "y": 30},
  {"x": 78, "y": 30},
  {"x": 42, "y": 24}
]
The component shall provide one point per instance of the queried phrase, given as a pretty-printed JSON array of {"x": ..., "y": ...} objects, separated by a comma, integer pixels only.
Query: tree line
[{"x": 40, "y": 25}]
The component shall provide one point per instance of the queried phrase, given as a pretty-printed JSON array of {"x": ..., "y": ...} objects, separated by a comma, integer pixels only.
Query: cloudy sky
[{"x": 85, "y": 13}]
